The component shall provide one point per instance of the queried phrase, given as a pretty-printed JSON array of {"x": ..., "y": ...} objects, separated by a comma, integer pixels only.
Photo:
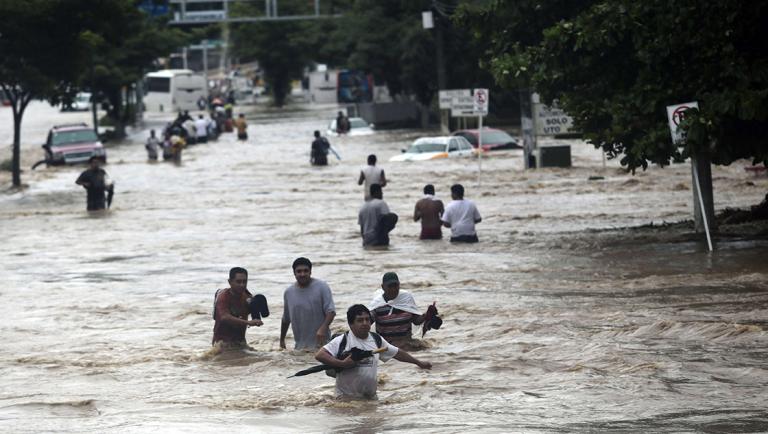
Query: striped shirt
[{"x": 392, "y": 322}]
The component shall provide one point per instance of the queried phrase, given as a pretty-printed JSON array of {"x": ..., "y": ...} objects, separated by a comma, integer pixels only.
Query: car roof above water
[
  {"x": 70, "y": 127},
  {"x": 436, "y": 139}
]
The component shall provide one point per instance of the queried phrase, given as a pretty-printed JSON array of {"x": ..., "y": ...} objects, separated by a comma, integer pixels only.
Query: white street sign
[
  {"x": 463, "y": 106},
  {"x": 550, "y": 120},
  {"x": 675, "y": 115},
  {"x": 447, "y": 96},
  {"x": 480, "y": 101}
]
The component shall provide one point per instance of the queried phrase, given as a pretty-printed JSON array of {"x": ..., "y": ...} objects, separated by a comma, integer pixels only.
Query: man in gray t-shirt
[
  {"x": 375, "y": 220},
  {"x": 308, "y": 309}
]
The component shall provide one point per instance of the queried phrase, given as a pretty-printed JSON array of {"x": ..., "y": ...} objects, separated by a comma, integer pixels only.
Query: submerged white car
[
  {"x": 433, "y": 148},
  {"x": 357, "y": 127}
]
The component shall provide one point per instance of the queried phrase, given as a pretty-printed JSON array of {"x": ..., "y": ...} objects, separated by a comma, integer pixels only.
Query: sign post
[
  {"x": 480, "y": 106},
  {"x": 675, "y": 115}
]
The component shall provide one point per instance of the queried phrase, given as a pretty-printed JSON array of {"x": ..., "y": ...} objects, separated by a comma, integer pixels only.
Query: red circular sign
[{"x": 679, "y": 114}]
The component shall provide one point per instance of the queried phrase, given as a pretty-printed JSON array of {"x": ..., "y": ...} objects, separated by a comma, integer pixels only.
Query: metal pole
[
  {"x": 701, "y": 203},
  {"x": 317, "y": 7},
  {"x": 184, "y": 56},
  {"x": 205, "y": 59},
  {"x": 479, "y": 148}
]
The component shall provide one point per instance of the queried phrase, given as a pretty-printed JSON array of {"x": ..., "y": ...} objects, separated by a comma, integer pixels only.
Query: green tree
[
  {"x": 614, "y": 65},
  {"x": 42, "y": 54},
  {"x": 123, "y": 44}
]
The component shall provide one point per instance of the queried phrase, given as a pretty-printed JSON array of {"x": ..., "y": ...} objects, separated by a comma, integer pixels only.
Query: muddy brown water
[{"x": 560, "y": 319}]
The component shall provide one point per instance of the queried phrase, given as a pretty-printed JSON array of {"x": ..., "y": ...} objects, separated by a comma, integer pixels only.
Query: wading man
[
  {"x": 358, "y": 378},
  {"x": 308, "y": 309},
  {"x": 96, "y": 183},
  {"x": 231, "y": 308},
  {"x": 375, "y": 220},
  {"x": 394, "y": 310},
  {"x": 369, "y": 175},
  {"x": 461, "y": 215},
  {"x": 429, "y": 209},
  {"x": 319, "y": 153}
]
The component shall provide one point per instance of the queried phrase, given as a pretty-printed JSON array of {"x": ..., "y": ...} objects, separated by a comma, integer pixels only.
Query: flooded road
[{"x": 558, "y": 320}]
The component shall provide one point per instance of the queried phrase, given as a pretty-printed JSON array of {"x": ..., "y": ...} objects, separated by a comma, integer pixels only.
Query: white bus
[{"x": 173, "y": 90}]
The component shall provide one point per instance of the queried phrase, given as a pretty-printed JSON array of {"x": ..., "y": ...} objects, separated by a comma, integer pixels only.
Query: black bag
[{"x": 343, "y": 344}]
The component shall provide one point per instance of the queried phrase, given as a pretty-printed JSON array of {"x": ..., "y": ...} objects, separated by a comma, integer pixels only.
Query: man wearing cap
[{"x": 394, "y": 310}]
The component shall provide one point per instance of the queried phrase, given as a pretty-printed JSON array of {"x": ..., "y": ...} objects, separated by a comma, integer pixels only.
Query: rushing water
[{"x": 558, "y": 320}]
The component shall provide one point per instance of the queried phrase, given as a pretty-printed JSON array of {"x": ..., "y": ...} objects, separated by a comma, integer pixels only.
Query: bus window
[{"x": 159, "y": 84}]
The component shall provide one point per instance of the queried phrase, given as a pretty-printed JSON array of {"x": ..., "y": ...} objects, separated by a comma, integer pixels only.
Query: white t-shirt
[
  {"x": 360, "y": 381},
  {"x": 372, "y": 175},
  {"x": 461, "y": 215},
  {"x": 201, "y": 125}
]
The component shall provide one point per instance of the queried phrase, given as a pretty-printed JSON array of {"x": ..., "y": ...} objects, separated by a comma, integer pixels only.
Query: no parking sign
[
  {"x": 675, "y": 115},
  {"x": 480, "y": 97}
]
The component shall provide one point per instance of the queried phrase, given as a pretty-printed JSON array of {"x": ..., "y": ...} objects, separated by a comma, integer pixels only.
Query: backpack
[
  {"x": 215, "y": 297},
  {"x": 343, "y": 346}
]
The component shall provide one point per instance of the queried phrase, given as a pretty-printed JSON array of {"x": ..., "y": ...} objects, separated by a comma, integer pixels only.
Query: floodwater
[{"x": 560, "y": 319}]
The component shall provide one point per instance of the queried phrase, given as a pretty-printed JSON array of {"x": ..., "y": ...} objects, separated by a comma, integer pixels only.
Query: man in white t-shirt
[
  {"x": 201, "y": 129},
  {"x": 357, "y": 379},
  {"x": 369, "y": 175},
  {"x": 461, "y": 216}
]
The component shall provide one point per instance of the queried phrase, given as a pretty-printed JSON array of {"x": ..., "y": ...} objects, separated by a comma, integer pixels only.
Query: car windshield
[
  {"x": 426, "y": 147},
  {"x": 497, "y": 137},
  {"x": 357, "y": 123},
  {"x": 75, "y": 136}
]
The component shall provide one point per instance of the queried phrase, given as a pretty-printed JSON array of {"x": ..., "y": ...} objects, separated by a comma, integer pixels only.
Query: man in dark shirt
[
  {"x": 429, "y": 209},
  {"x": 231, "y": 308},
  {"x": 320, "y": 147},
  {"x": 96, "y": 184}
]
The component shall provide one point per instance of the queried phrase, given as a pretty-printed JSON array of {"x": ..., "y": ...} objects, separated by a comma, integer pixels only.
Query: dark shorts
[
  {"x": 465, "y": 239},
  {"x": 243, "y": 136},
  {"x": 431, "y": 233}
]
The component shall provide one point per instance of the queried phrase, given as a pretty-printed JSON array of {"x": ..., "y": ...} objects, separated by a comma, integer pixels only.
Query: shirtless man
[{"x": 429, "y": 210}]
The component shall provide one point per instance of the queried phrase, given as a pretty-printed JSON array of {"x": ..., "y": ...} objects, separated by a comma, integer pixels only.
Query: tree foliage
[
  {"x": 123, "y": 44},
  {"x": 41, "y": 56},
  {"x": 614, "y": 65}
]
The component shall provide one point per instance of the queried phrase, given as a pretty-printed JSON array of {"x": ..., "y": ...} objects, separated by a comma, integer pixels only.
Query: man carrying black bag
[{"x": 231, "y": 307}]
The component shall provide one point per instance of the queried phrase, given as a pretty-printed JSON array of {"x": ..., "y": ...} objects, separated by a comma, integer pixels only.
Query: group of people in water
[
  {"x": 308, "y": 311},
  {"x": 185, "y": 130},
  {"x": 377, "y": 221}
]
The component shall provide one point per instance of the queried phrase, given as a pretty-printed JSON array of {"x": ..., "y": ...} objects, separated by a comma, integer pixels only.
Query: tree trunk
[
  {"x": 423, "y": 116},
  {"x": 702, "y": 164},
  {"x": 116, "y": 114},
  {"x": 19, "y": 101},
  {"x": 16, "y": 161}
]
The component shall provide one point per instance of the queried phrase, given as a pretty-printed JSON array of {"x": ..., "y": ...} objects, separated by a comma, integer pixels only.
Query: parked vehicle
[
  {"x": 492, "y": 139},
  {"x": 357, "y": 127},
  {"x": 433, "y": 148},
  {"x": 72, "y": 144},
  {"x": 81, "y": 102},
  {"x": 173, "y": 90}
]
